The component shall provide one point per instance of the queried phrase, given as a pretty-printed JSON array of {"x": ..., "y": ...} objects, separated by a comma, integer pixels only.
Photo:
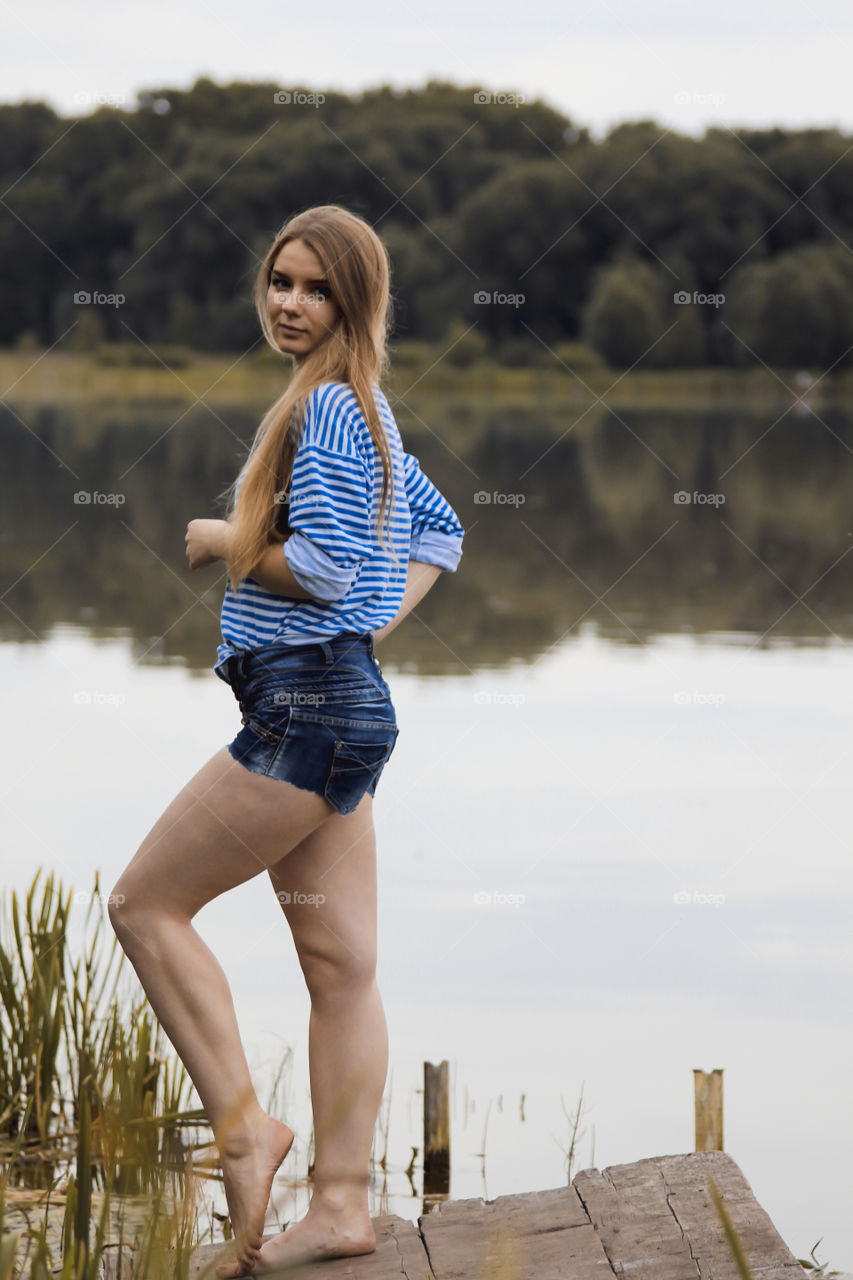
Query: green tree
[
  {"x": 795, "y": 309},
  {"x": 624, "y": 316}
]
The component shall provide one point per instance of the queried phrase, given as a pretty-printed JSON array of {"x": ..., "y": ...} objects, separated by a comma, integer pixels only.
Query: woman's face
[{"x": 301, "y": 308}]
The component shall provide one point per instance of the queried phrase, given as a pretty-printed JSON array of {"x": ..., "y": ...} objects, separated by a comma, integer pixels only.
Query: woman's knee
[
  {"x": 334, "y": 973},
  {"x": 129, "y": 908},
  {"x": 121, "y": 906}
]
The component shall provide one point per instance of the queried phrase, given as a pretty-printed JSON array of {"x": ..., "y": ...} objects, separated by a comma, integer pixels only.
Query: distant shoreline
[{"x": 34, "y": 378}]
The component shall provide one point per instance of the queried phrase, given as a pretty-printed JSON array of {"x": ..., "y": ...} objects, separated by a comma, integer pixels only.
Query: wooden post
[
  {"x": 436, "y": 1129},
  {"x": 708, "y": 1103}
]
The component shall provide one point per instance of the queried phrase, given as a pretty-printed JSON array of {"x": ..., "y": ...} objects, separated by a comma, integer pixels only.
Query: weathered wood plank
[
  {"x": 686, "y": 1180},
  {"x": 400, "y": 1255},
  {"x": 650, "y": 1220},
  {"x": 538, "y": 1235},
  {"x": 657, "y": 1221},
  {"x": 627, "y": 1207}
]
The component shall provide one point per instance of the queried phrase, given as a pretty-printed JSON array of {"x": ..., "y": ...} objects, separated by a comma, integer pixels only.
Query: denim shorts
[{"x": 318, "y": 715}]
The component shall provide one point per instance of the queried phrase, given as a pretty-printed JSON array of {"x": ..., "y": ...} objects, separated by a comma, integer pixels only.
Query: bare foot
[
  {"x": 248, "y": 1169},
  {"x": 322, "y": 1233}
]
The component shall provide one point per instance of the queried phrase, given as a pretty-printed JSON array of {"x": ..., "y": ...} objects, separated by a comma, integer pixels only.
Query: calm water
[{"x": 626, "y": 723}]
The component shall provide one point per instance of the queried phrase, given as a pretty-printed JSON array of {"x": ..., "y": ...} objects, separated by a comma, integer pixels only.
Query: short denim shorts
[{"x": 318, "y": 715}]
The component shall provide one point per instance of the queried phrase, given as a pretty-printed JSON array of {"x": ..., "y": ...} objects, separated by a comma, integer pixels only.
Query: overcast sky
[{"x": 601, "y": 61}]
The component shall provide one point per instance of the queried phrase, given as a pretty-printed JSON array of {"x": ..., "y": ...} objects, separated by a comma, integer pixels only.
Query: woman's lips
[{"x": 290, "y": 328}]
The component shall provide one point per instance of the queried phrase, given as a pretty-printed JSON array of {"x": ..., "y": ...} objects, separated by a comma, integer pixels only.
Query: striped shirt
[{"x": 333, "y": 550}]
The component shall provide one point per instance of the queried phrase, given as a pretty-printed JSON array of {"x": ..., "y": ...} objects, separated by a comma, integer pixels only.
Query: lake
[{"x": 613, "y": 839}]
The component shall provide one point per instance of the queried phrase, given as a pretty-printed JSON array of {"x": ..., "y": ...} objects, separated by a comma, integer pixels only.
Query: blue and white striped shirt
[{"x": 333, "y": 550}]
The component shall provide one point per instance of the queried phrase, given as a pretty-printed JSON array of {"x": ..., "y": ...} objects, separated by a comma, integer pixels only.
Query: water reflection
[{"x": 579, "y": 525}]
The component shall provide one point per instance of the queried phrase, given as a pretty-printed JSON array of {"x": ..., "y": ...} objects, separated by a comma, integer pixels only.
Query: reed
[
  {"x": 32, "y": 992},
  {"x": 85, "y": 1084}
]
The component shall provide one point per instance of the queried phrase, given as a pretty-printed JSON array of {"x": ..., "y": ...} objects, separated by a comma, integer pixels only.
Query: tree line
[{"x": 512, "y": 231}]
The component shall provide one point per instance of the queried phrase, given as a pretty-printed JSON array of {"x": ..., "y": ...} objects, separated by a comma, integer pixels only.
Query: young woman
[{"x": 333, "y": 535}]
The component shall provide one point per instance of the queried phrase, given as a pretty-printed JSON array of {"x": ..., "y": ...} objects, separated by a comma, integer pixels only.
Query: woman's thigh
[
  {"x": 224, "y": 827},
  {"x": 327, "y": 890}
]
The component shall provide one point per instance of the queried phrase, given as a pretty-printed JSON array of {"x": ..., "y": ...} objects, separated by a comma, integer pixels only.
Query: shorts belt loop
[{"x": 327, "y": 650}]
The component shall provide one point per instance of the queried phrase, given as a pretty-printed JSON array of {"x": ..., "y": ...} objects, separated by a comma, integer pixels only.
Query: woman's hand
[{"x": 207, "y": 542}]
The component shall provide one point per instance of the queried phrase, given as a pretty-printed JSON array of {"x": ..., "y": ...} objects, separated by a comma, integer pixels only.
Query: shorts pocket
[
  {"x": 353, "y": 757},
  {"x": 272, "y": 729},
  {"x": 356, "y": 763}
]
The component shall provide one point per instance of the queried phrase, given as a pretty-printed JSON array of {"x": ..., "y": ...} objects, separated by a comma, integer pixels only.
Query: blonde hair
[{"x": 356, "y": 265}]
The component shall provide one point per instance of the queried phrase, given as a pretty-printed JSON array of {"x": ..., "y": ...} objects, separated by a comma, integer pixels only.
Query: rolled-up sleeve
[
  {"x": 436, "y": 531},
  {"x": 329, "y": 511}
]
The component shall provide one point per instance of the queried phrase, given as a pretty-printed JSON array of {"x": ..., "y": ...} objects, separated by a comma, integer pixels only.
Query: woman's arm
[
  {"x": 207, "y": 541},
  {"x": 421, "y": 577},
  {"x": 274, "y": 574}
]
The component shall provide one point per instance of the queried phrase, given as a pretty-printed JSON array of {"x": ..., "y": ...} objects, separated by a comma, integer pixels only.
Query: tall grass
[{"x": 85, "y": 1084}]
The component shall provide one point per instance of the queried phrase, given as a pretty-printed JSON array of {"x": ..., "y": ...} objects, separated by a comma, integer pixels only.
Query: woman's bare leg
[
  {"x": 327, "y": 888},
  {"x": 222, "y": 829}
]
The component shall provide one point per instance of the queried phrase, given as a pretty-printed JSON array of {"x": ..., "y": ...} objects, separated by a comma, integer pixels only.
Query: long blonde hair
[{"x": 355, "y": 263}]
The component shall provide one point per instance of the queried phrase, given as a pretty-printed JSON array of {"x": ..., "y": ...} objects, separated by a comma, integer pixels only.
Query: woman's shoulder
[
  {"x": 343, "y": 393},
  {"x": 338, "y": 400}
]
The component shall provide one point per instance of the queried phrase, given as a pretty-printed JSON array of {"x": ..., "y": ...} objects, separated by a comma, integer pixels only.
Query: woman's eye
[{"x": 321, "y": 291}]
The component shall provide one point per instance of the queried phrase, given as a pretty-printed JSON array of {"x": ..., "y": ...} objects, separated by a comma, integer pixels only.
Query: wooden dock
[{"x": 651, "y": 1220}]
